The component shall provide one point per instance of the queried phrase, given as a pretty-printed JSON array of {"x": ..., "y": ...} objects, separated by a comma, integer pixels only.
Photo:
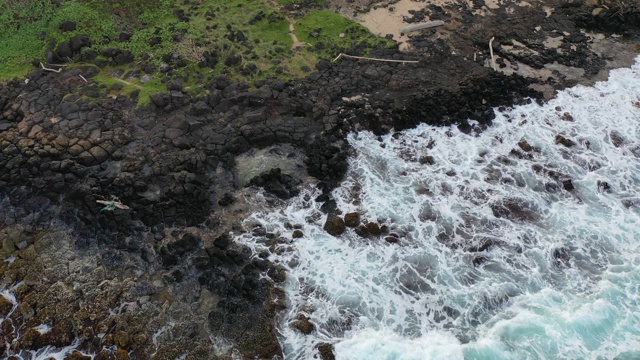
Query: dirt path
[
  {"x": 296, "y": 43},
  {"x": 128, "y": 83}
]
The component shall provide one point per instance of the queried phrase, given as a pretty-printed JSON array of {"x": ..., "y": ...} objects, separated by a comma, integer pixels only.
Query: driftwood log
[
  {"x": 374, "y": 59},
  {"x": 426, "y": 25}
]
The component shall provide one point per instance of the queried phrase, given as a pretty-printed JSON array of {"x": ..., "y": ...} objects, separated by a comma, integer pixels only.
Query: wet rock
[
  {"x": 174, "y": 252},
  {"x": 122, "y": 354},
  {"x": 567, "y": 185},
  {"x": 515, "y": 209},
  {"x": 275, "y": 182},
  {"x": 616, "y": 139},
  {"x": 226, "y": 200},
  {"x": 352, "y": 219},
  {"x": 326, "y": 161},
  {"x": 392, "y": 239},
  {"x": 604, "y": 186},
  {"x": 564, "y": 141},
  {"x": 479, "y": 260},
  {"x": 297, "y": 234},
  {"x": 77, "y": 355},
  {"x": 8, "y": 330},
  {"x": 334, "y": 225},
  {"x": 328, "y": 206},
  {"x": 222, "y": 241},
  {"x": 562, "y": 257},
  {"x": 303, "y": 325},
  {"x": 105, "y": 355},
  {"x": 373, "y": 228},
  {"x": 277, "y": 274},
  {"x": 122, "y": 339},
  {"x": 567, "y": 117},
  {"x": 61, "y": 334},
  {"x": 428, "y": 159},
  {"x": 325, "y": 350},
  {"x": 481, "y": 245},
  {"x": 361, "y": 231},
  {"x": 524, "y": 145},
  {"x": 246, "y": 307},
  {"x": 32, "y": 339},
  {"x": 5, "y": 306}
]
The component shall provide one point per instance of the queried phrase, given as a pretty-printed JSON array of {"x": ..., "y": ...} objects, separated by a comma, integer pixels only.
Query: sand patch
[{"x": 389, "y": 20}]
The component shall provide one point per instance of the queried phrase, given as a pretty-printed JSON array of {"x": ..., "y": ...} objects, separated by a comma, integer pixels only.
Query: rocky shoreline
[{"x": 115, "y": 220}]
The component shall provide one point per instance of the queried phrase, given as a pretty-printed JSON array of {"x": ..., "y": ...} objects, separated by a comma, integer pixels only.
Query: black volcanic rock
[
  {"x": 67, "y": 26},
  {"x": 275, "y": 182}
]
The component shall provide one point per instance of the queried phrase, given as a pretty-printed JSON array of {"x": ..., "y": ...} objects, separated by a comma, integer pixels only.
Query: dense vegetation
[{"x": 192, "y": 40}]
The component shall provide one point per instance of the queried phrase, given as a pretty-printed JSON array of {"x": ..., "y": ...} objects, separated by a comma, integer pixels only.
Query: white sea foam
[
  {"x": 43, "y": 328},
  {"x": 10, "y": 296},
  {"x": 49, "y": 352},
  {"x": 560, "y": 273}
]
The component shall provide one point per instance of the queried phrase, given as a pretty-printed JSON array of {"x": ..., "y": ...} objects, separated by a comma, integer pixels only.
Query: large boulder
[
  {"x": 334, "y": 225},
  {"x": 352, "y": 219}
]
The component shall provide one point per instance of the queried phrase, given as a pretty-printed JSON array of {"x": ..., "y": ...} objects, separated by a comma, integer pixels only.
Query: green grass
[
  {"x": 29, "y": 28},
  {"x": 22, "y": 25},
  {"x": 100, "y": 28},
  {"x": 115, "y": 75},
  {"x": 328, "y": 26}
]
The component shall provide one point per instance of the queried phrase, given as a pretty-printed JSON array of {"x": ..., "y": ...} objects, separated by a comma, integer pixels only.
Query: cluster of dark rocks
[
  {"x": 275, "y": 182},
  {"x": 336, "y": 225}
]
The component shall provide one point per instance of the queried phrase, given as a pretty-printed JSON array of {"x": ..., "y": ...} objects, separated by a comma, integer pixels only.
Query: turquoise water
[{"x": 560, "y": 278}]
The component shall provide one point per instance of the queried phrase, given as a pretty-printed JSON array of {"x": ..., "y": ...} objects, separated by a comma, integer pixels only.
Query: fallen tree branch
[
  {"x": 82, "y": 77},
  {"x": 416, "y": 27},
  {"x": 373, "y": 59},
  {"x": 493, "y": 59},
  {"x": 48, "y": 69}
]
